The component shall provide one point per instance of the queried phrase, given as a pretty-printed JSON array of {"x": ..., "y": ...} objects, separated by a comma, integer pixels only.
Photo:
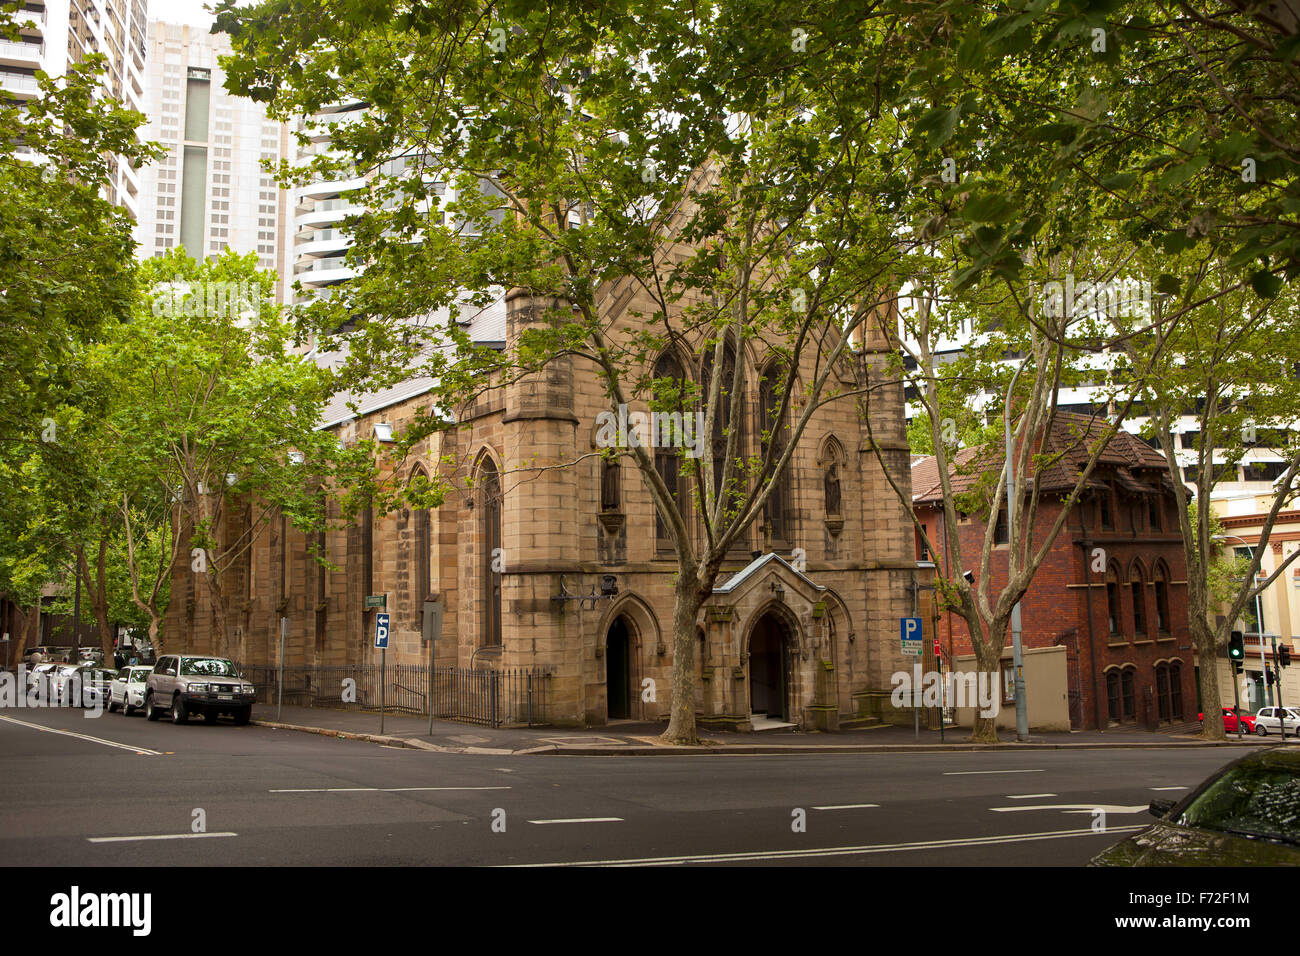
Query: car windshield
[
  {"x": 137, "y": 675},
  {"x": 208, "y": 667},
  {"x": 1254, "y": 802}
]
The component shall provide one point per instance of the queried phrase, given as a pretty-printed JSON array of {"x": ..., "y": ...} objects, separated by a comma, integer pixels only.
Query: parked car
[
  {"x": 1230, "y": 721},
  {"x": 185, "y": 684},
  {"x": 126, "y": 692},
  {"x": 39, "y": 678},
  {"x": 1269, "y": 721},
  {"x": 44, "y": 654},
  {"x": 91, "y": 684},
  {"x": 1243, "y": 815}
]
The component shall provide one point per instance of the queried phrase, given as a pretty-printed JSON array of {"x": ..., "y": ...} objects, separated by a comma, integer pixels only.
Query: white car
[
  {"x": 1269, "y": 721},
  {"x": 39, "y": 677},
  {"x": 92, "y": 684},
  {"x": 126, "y": 693}
]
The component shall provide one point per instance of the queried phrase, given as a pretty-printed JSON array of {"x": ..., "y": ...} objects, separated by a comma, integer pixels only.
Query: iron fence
[{"x": 494, "y": 698}]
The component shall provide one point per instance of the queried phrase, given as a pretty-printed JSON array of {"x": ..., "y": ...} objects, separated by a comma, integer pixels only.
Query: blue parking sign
[
  {"x": 381, "y": 630},
  {"x": 910, "y": 632}
]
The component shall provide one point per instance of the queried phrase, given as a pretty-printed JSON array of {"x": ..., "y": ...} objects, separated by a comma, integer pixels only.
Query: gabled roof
[
  {"x": 750, "y": 570},
  {"x": 1126, "y": 458}
]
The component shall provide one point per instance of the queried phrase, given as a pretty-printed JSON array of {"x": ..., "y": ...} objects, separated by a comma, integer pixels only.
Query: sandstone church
[{"x": 803, "y": 623}]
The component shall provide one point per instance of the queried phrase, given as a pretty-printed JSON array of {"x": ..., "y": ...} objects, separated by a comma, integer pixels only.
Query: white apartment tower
[
  {"x": 210, "y": 191},
  {"x": 56, "y": 33}
]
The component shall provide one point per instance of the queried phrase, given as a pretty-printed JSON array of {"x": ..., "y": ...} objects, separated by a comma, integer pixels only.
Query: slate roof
[{"x": 1134, "y": 465}]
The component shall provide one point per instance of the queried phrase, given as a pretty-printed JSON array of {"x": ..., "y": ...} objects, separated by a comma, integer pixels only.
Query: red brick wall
[{"x": 1055, "y": 608}]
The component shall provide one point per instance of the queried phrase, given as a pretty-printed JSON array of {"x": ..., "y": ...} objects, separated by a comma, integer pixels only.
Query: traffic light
[
  {"x": 1268, "y": 676},
  {"x": 1236, "y": 646},
  {"x": 1284, "y": 655}
]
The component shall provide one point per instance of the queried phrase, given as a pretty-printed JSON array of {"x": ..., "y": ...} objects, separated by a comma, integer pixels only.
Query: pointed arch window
[
  {"x": 1112, "y": 598},
  {"x": 669, "y": 380},
  {"x": 1138, "y": 589},
  {"x": 1162, "y": 598},
  {"x": 773, "y": 430},
  {"x": 490, "y": 556},
  {"x": 723, "y": 417}
]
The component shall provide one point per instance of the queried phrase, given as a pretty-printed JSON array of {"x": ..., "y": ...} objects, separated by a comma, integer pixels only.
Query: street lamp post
[
  {"x": 1259, "y": 620},
  {"x": 1022, "y": 712}
]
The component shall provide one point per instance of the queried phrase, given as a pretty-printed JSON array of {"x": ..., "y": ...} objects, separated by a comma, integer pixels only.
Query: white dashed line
[
  {"x": 971, "y": 773},
  {"x": 159, "y": 836},
  {"x": 583, "y": 820},
  {"x": 849, "y": 806}
]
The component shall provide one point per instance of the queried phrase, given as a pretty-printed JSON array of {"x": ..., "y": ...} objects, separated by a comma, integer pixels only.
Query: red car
[{"x": 1230, "y": 721}]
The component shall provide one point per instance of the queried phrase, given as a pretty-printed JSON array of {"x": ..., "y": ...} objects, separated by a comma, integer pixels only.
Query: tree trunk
[
  {"x": 99, "y": 599},
  {"x": 155, "y": 632},
  {"x": 687, "y": 600},
  {"x": 988, "y": 660},
  {"x": 1203, "y": 637}
]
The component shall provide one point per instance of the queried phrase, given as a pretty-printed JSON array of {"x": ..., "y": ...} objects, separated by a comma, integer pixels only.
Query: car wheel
[
  {"x": 179, "y": 714},
  {"x": 243, "y": 715},
  {"x": 112, "y": 707},
  {"x": 151, "y": 711},
  {"x": 209, "y": 716},
  {"x": 1261, "y": 730},
  {"x": 128, "y": 710}
]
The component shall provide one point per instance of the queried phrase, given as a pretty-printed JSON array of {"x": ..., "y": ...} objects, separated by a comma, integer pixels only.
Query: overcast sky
[{"x": 181, "y": 11}]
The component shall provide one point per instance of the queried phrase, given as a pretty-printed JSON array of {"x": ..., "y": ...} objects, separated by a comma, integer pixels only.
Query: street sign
[
  {"x": 431, "y": 625},
  {"x": 381, "y": 630},
  {"x": 376, "y": 601},
  {"x": 910, "y": 632}
]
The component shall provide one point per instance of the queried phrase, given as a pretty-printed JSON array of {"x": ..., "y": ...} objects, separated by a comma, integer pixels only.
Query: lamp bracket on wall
[{"x": 608, "y": 591}]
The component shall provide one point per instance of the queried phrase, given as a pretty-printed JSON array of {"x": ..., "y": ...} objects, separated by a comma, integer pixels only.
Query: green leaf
[
  {"x": 937, "y": 125},
  {"x": 1266, "y": 284}
]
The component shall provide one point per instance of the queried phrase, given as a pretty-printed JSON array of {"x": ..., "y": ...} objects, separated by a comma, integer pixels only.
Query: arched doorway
[
  {"x": 769, "y": 668},
  {"x": 617, "y": 670}
]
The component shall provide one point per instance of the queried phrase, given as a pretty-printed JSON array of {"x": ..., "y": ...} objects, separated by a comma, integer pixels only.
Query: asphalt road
[{"x": 87, "y": 797}]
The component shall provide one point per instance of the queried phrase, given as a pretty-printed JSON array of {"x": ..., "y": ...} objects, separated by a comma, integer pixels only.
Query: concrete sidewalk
[{"x": 629, "y": 738}]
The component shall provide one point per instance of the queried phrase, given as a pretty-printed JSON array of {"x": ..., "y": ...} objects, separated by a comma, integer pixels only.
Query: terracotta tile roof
[{"x": 1127, "y": 459}]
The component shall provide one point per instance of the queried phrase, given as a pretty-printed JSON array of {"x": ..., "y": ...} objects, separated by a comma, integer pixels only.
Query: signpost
[
  {"x": 279, "y": 684},
  {"x": 381, "y": 642},
  {"x": 909, "y": 629}
]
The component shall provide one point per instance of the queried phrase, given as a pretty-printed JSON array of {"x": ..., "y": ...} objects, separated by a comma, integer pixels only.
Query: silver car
[
  {"x": 1269, "y": 721},
  {"x": 185, "y": 684},
  {"x": 126, "y": 692}
]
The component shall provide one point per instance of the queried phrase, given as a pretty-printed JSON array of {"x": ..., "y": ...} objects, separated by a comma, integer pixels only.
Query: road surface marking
[
  {"x": 741, "y": 857},
  {"x": 971, "y": 773},
  {"x": 383, "y": 789},
  {"x": 1168, "y": 788},
  {"x": 1028, "y": 796},
  {"x": 849, "y": 806},
  {"x": 95, "y": 740},
  {"x": 159, "y": 836},
  {"x": 583, "y": 820},
  {"x": 1074, "y": 808}
]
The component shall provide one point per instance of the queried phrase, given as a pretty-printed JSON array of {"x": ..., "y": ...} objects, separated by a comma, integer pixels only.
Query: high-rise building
[
  {"x": 57, "y": 33},
  {"x": 210, "y": 191}
]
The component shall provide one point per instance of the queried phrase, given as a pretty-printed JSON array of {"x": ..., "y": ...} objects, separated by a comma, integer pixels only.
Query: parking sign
[
  {"x": 910, "y": 632},
  {"x": 381, "y": 630}
]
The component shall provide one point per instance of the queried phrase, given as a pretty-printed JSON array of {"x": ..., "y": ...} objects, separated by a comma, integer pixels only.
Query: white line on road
[
  {"x": 1028, "y": 796},
  {"x": 971, "y": 773},
  {"x": 94, "y": 740},
  {"x": 839, "y": 850},
  {"x": 159, "y": 836},
  {"x": 1168, "y": 788},
  {"x": 849, "y": 806},
  {"x": 1074, "y": 808},
  {"x": 583, "y": 820},
  {"x": 384, "y": 789}
]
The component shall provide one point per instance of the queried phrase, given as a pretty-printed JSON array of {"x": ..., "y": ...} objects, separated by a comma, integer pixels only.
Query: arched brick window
[
  {"x": 1138, "y": 590},
  {"x": 776, "y": 512}
]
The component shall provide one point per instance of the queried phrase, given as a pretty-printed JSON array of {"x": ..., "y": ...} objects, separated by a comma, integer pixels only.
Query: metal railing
[{"x": 493, "y": 698}]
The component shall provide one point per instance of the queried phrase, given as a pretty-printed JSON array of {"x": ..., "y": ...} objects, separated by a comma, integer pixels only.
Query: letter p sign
[{"x": 381, "y": 630}]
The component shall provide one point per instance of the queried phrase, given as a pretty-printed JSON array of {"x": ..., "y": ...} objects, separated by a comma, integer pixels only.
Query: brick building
[
  {"x": 1112, "y": 591},
  {"x": 802, "y": 625}
]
